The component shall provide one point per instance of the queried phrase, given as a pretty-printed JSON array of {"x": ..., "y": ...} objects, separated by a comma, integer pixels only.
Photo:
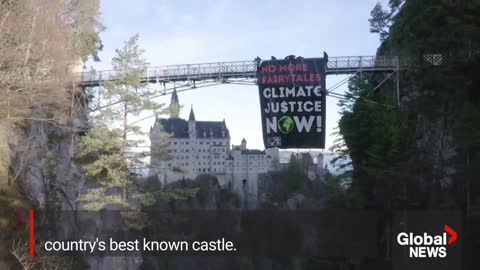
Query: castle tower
[
  {"x": 174, "y": 107},
  {"x": 192, "y": 132},
  {"x": 243, "y": 146}
]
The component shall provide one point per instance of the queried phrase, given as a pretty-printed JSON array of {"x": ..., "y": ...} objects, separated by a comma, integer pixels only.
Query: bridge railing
[
  {"x": 239, "y": 69},
  {"x": 352, "y": 63}
]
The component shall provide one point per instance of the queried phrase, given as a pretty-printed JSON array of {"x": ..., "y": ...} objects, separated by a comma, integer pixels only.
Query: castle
[{"x": 203, "y": 147}]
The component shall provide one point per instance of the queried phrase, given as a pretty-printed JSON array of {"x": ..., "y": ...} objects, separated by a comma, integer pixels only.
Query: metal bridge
[{"x": 224, "y": 71}]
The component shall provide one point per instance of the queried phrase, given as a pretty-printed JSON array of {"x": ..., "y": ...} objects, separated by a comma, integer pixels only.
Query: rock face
[
  {"x": 434, "y": 116},
  {"x": 28, "y": 146}
]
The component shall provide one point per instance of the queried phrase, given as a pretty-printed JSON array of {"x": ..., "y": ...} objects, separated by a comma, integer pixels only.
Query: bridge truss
[
  {"x": 188, "y": 77},
  {"x": 224, "y": 71}
]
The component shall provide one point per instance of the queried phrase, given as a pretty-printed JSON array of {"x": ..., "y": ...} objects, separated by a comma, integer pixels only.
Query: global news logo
[{"x": 428, "y": 246}]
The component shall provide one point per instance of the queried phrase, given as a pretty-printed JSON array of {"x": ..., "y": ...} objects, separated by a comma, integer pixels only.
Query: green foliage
[
  {"x": 284, "y": 184},
  {"x": 153, "y": 195},
  {"x": 379, "y": 142},
  {"x": 381, "y": 19},
  {"x": 110, "y": 148},
  {"x": 102, "y": 156},
  {"x": 207, "y": 185},
  {"x": 437, "y": 26},
  {"x": 136, "y": 220},
  {"x": 98, "y": 198},
  {"x": 297, "y": 179},
  {"x": 399, "y": 154},
  {"x": 83, "y": 16},
  {"x": 160, "y": 150},
  {"x": 182, "y": 171},
  {"x": 336, "y": 194}
]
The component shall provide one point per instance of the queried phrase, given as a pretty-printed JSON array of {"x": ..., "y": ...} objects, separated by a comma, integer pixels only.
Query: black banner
[{"x": 292, "y": 100}]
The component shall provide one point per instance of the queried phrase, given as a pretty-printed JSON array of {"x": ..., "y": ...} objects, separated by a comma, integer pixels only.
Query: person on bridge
[{"x": 258, "y": 60}]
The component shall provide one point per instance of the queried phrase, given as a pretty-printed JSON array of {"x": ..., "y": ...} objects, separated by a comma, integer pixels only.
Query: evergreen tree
[
  {"x": 377, "y": 138},
  {"x": 110, "y": 148}
]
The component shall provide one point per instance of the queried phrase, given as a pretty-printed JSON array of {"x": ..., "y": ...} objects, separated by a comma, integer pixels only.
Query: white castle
[{"x": 203, "y": 147}]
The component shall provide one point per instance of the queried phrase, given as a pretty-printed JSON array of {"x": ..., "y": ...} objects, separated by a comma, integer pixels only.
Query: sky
[{"x": 182, "y": 32}]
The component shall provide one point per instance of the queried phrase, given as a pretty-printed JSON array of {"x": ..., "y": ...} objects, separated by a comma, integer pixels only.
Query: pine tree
[{"x": 110, "y": 148}]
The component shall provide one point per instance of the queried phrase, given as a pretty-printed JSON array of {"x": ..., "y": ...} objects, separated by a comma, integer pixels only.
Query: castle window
[
  {"x": 201, "y": 142},
  {"x": 174, "y": 142},
  {"x": 207, "y": 142},
  {"x": 186, "y": 142}
]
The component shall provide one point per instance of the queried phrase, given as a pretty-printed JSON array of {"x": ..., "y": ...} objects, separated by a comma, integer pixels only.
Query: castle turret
[
  {"x": 191, "y": 117},
  {"x": 174, "y": 105},
  {"x": 243, "y": 146},
  {"x": 192, "y": 126}
]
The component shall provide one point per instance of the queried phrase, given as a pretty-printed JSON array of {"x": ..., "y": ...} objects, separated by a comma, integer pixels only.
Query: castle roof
[
  {"x": 174, "y": 98},
  {"x": 253, "y": 152},
  {"x": 191, "y": 117},
  {"x": 178, "y": 128},
  {"x": 214, "y": 129}
]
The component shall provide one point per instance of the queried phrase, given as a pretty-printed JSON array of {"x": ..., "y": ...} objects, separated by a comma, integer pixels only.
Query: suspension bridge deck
[{"x": 223, "y": 71}]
